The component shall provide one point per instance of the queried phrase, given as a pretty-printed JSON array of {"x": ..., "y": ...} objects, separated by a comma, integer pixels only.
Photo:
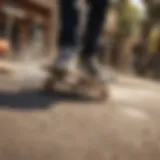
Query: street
[{"x": 37, "y": 126}]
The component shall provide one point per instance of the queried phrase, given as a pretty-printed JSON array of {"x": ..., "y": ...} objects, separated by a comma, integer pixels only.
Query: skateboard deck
[{"x": 75, "y": 83}]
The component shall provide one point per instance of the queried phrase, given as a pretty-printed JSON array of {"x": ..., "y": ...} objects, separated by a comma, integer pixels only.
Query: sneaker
[
  {"x": 91, "y": 67},
  {"x": 65, "y": 59}
]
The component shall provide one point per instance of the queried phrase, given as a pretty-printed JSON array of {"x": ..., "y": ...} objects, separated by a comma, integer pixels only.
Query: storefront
[{"x": 21, "y": 22}]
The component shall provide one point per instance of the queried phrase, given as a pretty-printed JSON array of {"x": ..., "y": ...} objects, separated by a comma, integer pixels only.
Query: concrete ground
[{"x": 37, "y": 126}]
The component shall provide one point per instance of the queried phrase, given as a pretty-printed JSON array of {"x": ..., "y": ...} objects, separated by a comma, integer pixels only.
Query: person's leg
[
  {"x": 68, "y": 30},
  {"x": 68, "y": 22},
  {"x": 96, "y": 18}
]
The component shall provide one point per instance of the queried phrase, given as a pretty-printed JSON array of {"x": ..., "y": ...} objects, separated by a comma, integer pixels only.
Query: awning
[{"x": 14, "y": 11}]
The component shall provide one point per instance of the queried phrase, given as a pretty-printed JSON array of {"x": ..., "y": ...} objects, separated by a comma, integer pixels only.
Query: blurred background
[
  {"x": 130, "y": 40},
  {"x": 59, "y": 126}
]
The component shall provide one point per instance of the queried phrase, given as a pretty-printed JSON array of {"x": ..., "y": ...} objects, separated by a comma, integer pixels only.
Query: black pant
[{"x": 69, "y": 19}]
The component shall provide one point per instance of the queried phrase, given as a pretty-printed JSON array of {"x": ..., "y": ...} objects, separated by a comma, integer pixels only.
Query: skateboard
[{"x": 82, "y": 85}]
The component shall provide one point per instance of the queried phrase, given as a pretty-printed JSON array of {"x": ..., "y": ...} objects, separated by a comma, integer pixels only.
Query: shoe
[
  {"x": 92, "y": 69},
  {"x": 65, "y": 59},
  {"x": 92, "y": 81}
]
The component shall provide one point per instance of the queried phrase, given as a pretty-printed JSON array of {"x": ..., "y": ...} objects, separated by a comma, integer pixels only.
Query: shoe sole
[{"x": 84, "y": 86}]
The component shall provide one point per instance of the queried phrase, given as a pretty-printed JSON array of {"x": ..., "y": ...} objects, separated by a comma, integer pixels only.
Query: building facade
[{"x": 24, "y": 21}]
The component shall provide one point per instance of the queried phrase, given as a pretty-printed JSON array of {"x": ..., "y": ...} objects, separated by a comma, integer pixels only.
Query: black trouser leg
[
  {"x": 95, "y": 22},
  {"x": 68, "y": 23}
]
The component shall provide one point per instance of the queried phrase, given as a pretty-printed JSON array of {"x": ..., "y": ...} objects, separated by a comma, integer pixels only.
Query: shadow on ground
[{"x": 37, "y": 100}]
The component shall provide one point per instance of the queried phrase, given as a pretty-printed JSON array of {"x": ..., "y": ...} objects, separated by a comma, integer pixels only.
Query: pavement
[{"x": 38, "y": 126}]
